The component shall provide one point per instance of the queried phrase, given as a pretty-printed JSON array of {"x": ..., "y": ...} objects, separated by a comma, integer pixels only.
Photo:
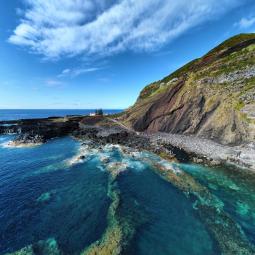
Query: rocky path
[
  {"x": 205, "y": 148},
  {"x": 32, "y": 132},
  {"x": 121, "y": 124}
]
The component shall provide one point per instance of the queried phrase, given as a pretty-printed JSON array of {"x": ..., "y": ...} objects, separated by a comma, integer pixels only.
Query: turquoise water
[
  {"x": 235, "y": 188},
  {"x": 75, "y": 207},
  {"x": 47, "y": 194}
]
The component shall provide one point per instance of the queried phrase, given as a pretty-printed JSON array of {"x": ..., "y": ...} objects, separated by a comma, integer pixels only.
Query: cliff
[{"x": 211, "y": 97}]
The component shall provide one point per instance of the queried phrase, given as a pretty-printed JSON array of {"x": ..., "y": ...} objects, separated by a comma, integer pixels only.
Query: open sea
[{"x": 45, "y": 113}]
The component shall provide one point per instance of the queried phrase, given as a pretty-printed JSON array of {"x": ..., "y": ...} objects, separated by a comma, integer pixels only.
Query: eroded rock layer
[{"x": 211, "y": 97}]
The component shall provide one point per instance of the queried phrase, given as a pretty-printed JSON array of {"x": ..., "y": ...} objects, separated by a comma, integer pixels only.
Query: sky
[{"x": 86, "y": 54}]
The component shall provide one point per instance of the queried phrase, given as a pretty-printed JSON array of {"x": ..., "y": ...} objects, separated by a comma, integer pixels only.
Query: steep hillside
[{"x": 212, "y": 97}]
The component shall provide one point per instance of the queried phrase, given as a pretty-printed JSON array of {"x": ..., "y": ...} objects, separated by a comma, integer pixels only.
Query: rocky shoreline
[
  {"x": 103, "y": 130},
  {"x": 206, "y": 151}
]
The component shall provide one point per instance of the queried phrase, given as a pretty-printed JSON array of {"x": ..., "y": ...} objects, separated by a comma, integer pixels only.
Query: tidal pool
[{"x": 117, "y": 201}]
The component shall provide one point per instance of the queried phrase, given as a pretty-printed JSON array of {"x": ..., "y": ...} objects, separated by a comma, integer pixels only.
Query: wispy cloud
[
  {"x": 56, "y": 28},
  {"x": 77, "y": 71},
  {"x": 65, "y": 72},
  {"x": 245, "y": 23},
  {"x": 54, "y": 83}
]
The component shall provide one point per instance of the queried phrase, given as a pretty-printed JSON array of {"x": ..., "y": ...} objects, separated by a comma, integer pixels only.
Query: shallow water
[
  {"x": 172, "y": 226},
  {"x": 235, "y": 188},
  {"x": 48, "y": 193}
]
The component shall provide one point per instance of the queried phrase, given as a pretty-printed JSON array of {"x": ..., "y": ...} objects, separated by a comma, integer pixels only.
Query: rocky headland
[
  {"x": 211, "y": 97},
  {"x": 31, "y": 132},
  {"x": 203, "y": 112},
  {"x": 105, "y": 130}
]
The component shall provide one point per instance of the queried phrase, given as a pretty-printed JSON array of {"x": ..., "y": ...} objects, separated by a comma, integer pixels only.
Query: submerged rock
[
  {"x": 116, "y": 168},
  {"x": 226, "y": 231},
  {"x": 105, "y": 159},
  {"x": 48, "y": 247},
  {"x": 118, "y": 233},
  {"x": 45, "y": 197}
]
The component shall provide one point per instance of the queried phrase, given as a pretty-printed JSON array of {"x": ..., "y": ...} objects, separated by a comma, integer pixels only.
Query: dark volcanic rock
[
  {"x": 118, "y": 135},
  {"x": 40, "y": 130}
]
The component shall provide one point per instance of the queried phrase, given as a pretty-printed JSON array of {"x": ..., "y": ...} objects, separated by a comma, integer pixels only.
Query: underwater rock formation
[
  {"x": 226, "y": 232},
  {"x": 117, "y": 234},
  {"x": 48, "y": 247}
]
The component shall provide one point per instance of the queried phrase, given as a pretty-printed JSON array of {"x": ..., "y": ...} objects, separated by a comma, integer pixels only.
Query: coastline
[
  {"x": 209, "y": 152},
  {"x": 13, "y": 144},
  {"x": 100, "y": 135},
  {"x": 105, "y": 130}
]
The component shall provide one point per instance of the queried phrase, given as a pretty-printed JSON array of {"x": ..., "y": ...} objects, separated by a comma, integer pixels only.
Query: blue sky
[{"x": 101, "y": 53}]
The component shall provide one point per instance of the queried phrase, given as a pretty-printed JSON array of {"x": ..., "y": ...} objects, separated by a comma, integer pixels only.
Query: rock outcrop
[
  {"x": 211, "y": 97},
  {"x": 37, "y": 131}
]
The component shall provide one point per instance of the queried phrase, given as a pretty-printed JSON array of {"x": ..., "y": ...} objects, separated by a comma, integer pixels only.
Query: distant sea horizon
[{"x": 16, "y": 114}]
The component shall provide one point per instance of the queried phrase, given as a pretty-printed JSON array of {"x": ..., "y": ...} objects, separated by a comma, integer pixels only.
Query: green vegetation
[
  {"x": 149, "y": 89},
  {"x": 239, "y": 105},
  {"x": 215, "y": 89},
  {"x": 210, "y": 65},
  {"x": 232, "y": 42},
  {"x": 181, "y": 71},
  {"x": 117, "y": 115}
]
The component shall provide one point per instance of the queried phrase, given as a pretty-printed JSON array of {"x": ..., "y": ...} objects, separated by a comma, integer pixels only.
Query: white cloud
[
  {"x": 56, "y": 28},
  {"x": 245, "y": 23},
  {"x": 85, "y": 70},
  {"x": 78, "y": 71},
  {"x": 53, "y": 83},
  {"x": 66, "y": 71}
]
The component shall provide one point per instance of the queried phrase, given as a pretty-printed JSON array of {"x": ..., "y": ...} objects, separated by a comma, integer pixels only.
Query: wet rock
[{"x": 40, "y": 130}]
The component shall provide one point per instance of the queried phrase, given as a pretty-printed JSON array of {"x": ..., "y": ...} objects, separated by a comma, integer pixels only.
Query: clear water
[
  {"x": 75, "y": 212},
  {"x": 235, "y": 188},
  {"x": 45, "y": 113},
  {"x": 44, "y": 195}
]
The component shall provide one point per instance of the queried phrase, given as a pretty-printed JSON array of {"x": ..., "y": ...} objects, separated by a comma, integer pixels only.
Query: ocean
[
  {"x": 45, "y": 113},
  {"x": 52, "y": 201}
]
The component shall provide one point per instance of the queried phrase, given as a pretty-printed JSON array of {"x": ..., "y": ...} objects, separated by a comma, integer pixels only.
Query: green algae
[
  {"x": 48, "y": 247},
  {"x": 24, "y": 251},
  {"x": 111, "y": 241},
  {"x": 242, "y": 208},
  {"x": 120, "y": 230},
  {"x": 226, "y": 232}
]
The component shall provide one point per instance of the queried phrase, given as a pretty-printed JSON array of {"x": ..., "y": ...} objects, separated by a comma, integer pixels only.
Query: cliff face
[{"x": 211, "y": 97}]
